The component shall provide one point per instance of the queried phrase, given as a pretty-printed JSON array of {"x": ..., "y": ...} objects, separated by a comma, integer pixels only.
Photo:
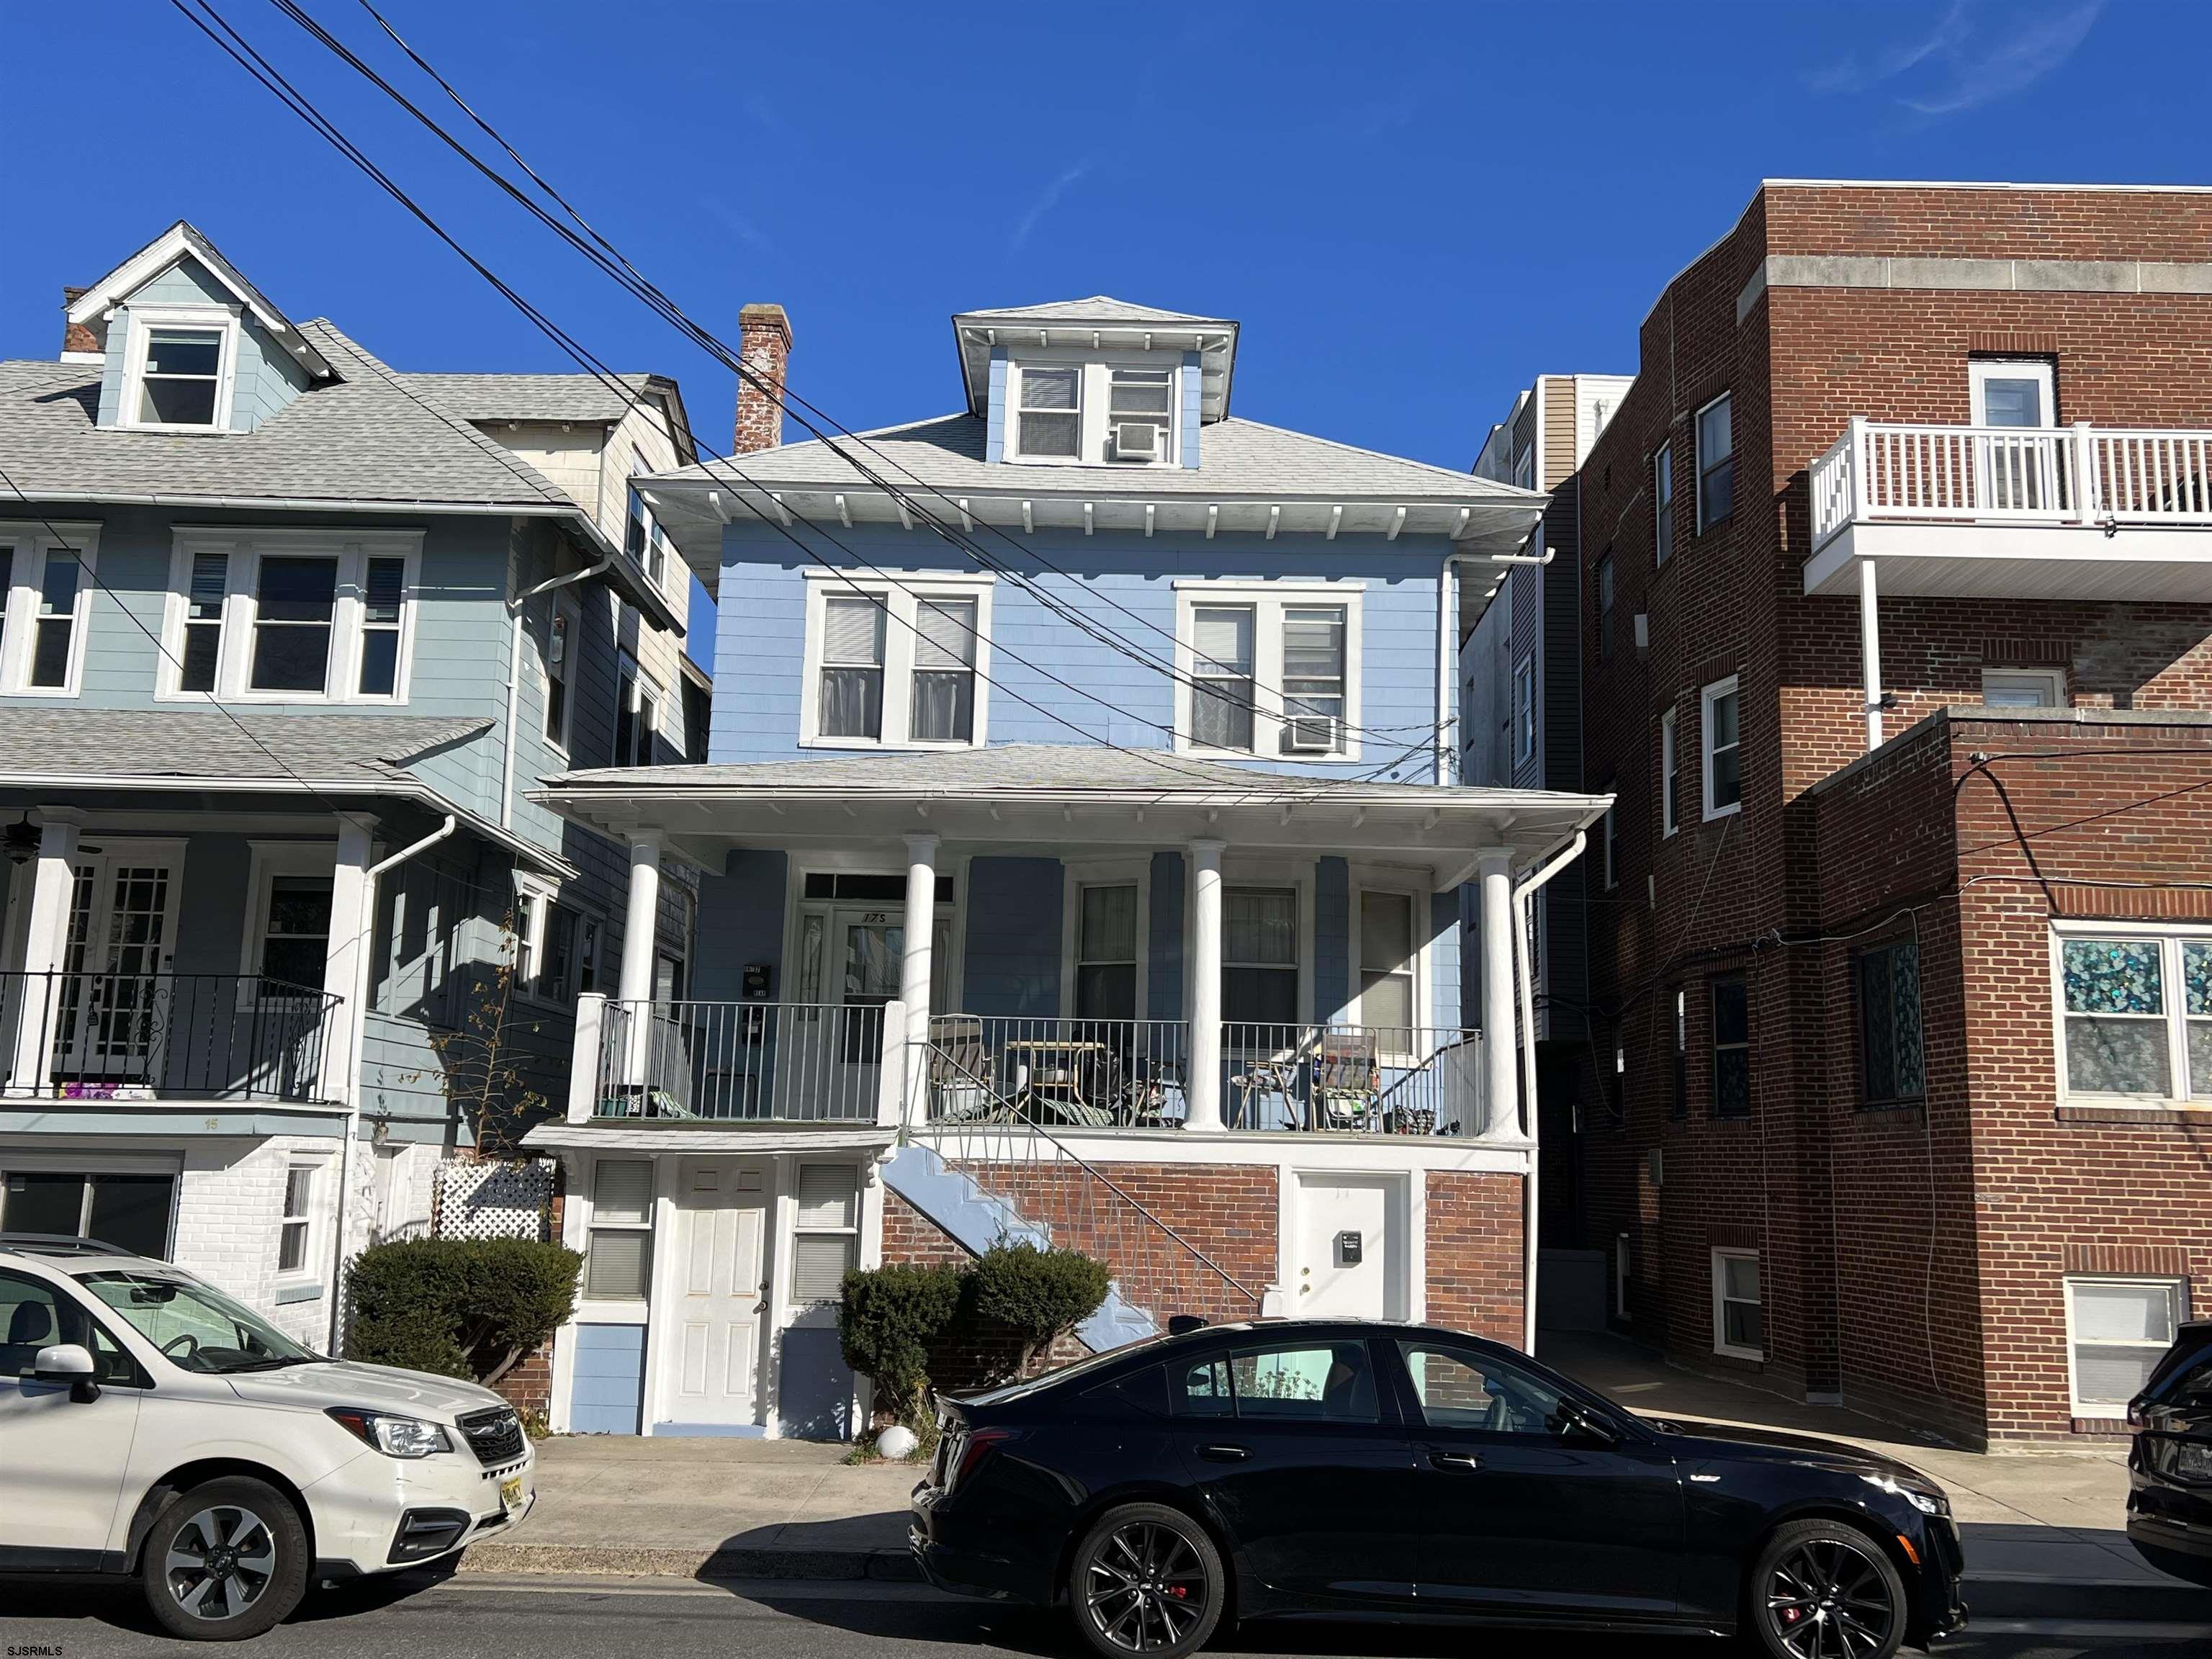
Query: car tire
[
  {"x": 1813, "y": 1572},
  {"x": 225, "y": 1560},
  {"x": 1146, "y": 1583}
]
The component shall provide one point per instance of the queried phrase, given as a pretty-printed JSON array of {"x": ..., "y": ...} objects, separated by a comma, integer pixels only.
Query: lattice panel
[{"x": 494, "y": 1201}]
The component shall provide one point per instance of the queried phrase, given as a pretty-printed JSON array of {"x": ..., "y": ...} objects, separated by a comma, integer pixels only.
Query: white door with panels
[
  {"x": 113, "y": 1008},
  {"x": 718, "y": 1296},
  {"x": 1352, "y": 1257}
]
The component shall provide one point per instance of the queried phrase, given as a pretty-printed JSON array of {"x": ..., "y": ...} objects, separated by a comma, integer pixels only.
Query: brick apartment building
[{"x": 1903, "y": 953}]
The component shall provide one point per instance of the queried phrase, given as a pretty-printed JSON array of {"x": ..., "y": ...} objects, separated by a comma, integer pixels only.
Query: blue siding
[
  {"x": 1013, "y": 937},
  {"x": 994, "y": 424},
  {"x": 1164, "y": 992},
  {"x": 1332, "y": 979},
  {"x": 814, "y": 1385},
  {"x": 741, "y": 912},
  {"x": 1190, "y": 418},
  {"x": 606, "y": 1388},
  {"x": 1444, "y": 1004}
]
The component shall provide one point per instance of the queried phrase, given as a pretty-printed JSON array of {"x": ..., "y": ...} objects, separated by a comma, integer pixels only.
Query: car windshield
[{"x": 197, "y": 1328}]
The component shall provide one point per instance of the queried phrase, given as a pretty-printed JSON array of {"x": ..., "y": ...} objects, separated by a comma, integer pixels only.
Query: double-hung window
[
  {"x": 1313, "y": 678},
  {"x": 557, "y": 948},
  {"x": 1663, "y": 504},
  {"x": 179, "y": 372},
  {"x": 637, "y": 715},
  {"x": 561, "y": 630},
  {"x": 642, "y": 536},
  {"x": 1389, "y": 955},
  {"x": 1268, "y": 668},
  {"x": 1048, "y": 410},
  {"x": 1670, "y": 774},
  {"x": 1724, "y": 781},
  {"x": 1222, "y": 656},
  {"x": 1137, "y": 400},
  {"x": 45, "y": 594},
  {"x": 825, "y": 1242},
  {"x": 1603, "y": 583},
  {"x": 1890, "y": 1064},
  {"x": 1739, "y": 1306},
  {"x": 1106, "y": 950},
  {"x": 1678, "y": 1104},
  {"x": 2134, "y": 1013},
  {"x": 1716, "y": 462},
  {"x": 1731, "y": 1000},
  {"x": 618, "y": 1243},
  {"x": 295, "y": 937},
  {"x": 2117, "y": 1330},
  {"x": 905, "y": 665},
  {"x": 1260, "y": 956},
  {"x": 295, "y": 1230},
  {"x": 291, "y": 617},
  {"x": 1524, "y": 710}
]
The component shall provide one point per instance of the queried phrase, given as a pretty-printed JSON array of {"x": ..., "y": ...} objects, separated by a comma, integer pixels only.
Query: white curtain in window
[{"x": 1260, "y": 926}]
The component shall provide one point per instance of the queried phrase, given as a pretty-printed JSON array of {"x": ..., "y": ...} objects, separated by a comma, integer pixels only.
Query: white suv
[{"x": 151, "y": 1426}]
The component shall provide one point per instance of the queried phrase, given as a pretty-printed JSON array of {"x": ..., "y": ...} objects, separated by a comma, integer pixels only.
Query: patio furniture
[
  {"x": 961, "y": 1072},
  {"x": 1347, "y": 1080},
  {"x": 1143, "y": 1100},
  {"x": 1277, "y": 1074},
  {"x": 1070, "y": 1080}
]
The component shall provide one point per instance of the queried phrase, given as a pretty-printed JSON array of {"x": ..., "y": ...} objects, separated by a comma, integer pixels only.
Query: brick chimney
[
  {"x": 764, "y": 348},
  {"x": 75, "y": 337}
]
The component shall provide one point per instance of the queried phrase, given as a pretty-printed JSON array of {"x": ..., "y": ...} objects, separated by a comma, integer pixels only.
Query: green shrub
[
  {"x": 466, "y": 1308},
  {"x": 887, "y": 1317},
  {"x": 1038, "y": 1295}
]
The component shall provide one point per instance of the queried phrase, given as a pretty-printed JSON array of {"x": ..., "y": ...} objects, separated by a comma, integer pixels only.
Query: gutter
[
  {"x": 1524, "y": 909},
  {"x": 357, "y": 1017},
  {"x": 514, "y": 671}
]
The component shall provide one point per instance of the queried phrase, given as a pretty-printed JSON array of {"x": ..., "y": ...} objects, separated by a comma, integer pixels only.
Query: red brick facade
[
  {"x": 1911, "y": 1257},
  {"x": 1474, "y": 1253}
]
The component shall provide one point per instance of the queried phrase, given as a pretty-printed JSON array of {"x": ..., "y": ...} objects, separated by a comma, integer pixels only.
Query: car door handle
[
  {"x": 1444, "y": 1459},
  {"x": 1224, "y": 1454}
]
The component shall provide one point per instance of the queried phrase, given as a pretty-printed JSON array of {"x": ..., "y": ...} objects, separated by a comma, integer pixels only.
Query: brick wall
[{"x": 1474, "y": 1253}]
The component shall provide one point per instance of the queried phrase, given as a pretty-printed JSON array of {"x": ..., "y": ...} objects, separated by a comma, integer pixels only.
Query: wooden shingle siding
[{"x": 1014, "y": 913}]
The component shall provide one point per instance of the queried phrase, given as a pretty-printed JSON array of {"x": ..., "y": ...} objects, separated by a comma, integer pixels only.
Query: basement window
[
  {"x": 2117, "y": 1331},
  {"x": 1738, "y": 1308}
]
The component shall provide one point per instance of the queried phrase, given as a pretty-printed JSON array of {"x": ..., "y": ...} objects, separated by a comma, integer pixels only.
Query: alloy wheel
[
  {"x": 220, "y": 1562},
  {"x": 1827, "y": 1599},
  {"x": 1146, "y": 1588}
]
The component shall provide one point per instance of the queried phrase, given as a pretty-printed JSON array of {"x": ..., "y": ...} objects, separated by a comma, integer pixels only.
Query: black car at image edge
[
  {"x": 2170, "y": 1464},
  {"x": 1349, "y": 1470}
]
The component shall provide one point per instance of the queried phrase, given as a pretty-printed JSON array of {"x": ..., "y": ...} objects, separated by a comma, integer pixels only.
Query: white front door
[
  {"x": 1351, "y": 1248},
  {"x": 121, "y": 923},
  {"x": 719, "y": 1294}
]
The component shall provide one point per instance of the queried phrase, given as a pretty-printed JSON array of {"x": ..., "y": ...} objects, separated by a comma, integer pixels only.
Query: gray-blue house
[
  {"x": 286, "y": 635},
  {"x": 1079, "y": 857}
]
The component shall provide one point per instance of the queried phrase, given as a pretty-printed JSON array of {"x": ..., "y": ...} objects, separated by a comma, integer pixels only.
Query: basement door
[
  {"x": 718, "y": 1295},
  {"x": 1351, "y": 1255}
]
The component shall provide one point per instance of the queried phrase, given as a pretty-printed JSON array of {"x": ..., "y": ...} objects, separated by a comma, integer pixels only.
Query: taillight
[{"x": 970, "y": 1450}]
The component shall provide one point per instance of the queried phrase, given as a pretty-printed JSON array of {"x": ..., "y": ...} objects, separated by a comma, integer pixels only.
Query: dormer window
[
  {"x": 180, "y": 368},
  {"x": 1139, "y": 400},
  {"x": 1050, "y": 417}
]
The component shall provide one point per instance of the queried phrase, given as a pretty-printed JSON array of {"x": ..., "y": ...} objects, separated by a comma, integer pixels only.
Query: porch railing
[
  {"x": 752, "y": 1063},
  {"x": 2080, "y": 474},
  {"x": 150, "y": 1036},
  {"x": 1358, "y": 1079},
  {"x": 1079, "y": 1073}
]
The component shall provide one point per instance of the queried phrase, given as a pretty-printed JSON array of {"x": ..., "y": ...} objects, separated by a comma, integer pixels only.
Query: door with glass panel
[
  {"x": 115, "y": 1000},
  {"x": 851, "y": 963},
  {"x": 2019, "y": 465}
]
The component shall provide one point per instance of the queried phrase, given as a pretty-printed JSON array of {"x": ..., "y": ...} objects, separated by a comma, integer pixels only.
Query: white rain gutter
[
  {"x": 357, "y": 1017},
  {"x": 1524, "y": 912},
  {"x": 514, "y": 673}
]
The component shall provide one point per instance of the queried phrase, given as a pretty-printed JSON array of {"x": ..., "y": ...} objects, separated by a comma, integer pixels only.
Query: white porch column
[
  {"x": 1870, "y": 653},
  {"x": 1202, "y": 1090},
  {"x": 915, "y": 968},
  {"x": 345, "y": 965},
  {"x": 1501, "y": 1081},
  {"x": 46, "y": 950},
  {"x": 641, "y": 922}
]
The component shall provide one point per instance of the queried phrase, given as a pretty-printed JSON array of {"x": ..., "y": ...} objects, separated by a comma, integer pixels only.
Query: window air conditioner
[
  {"x": 1136, "y": 441},
  {"x": 1310, "y": 734}
]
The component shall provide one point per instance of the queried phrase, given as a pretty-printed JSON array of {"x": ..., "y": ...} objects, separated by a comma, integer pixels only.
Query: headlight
[
  {"x": 1928, "y": 1501},
  {"x": 395, "y": 1437}
]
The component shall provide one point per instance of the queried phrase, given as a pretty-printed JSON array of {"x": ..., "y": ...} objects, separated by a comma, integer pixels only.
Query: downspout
[
  {"x": 1449, "y": 734},
  {"x": 1524, "y": 910},
  {"x": 514, "y": 673},
  {"x": 358, "y": 1017}
]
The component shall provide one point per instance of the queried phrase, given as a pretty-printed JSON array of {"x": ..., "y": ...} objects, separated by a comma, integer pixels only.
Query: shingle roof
[
  {"x": 331, "y": 750},
  {"x": 367, "y": 437},
  {"x": 1237, "y": 458},
  {"x": 1098, "y": 308},
  {"x": 583, "y": 397}
]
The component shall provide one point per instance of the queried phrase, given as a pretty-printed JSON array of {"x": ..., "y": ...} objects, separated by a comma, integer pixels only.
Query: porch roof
[{"x": 1064, "y": 798}]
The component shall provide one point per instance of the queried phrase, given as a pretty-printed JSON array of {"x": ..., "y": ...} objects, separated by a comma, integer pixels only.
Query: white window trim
[
  {"x": 797, "y": 906},
  {"x": 643, "y": 686},
  {"x": 2170, "y": 937},
  {"x": 1093, "y": 401},
  {"x": 534, "y": 897},
  {"x": 618, "y": 1309},
  {"x": 1103, "y": 873},
  {"x": 266, "y": 860},
  {"x": 565, "y": 610},
  {"x": 223, "y": 318},
  {"x": 247, "y": 548},
  {"x": 901, "y": 595},
  {"x": 1669, "y": 762},
  {"x": 1706, "y": 698},
  {"x": 316, "y": 1251},
  {"x": 1524, "y": 709},
  {"x": 1268, "y": 600},
  {"x": 1697, "y": 455},
  {"x": 2050, "y": 681},
  {"x": 2102, "y": 1410},
  {"x": 1414, "y": 885},
  {"x": 1980, "y": 371},
  {"x": 1237, "y": 872},
  {"x": 1720, "y": 1344},
  {"x": 851, "y": 1230},
  {"x": 34, "y": 542}
]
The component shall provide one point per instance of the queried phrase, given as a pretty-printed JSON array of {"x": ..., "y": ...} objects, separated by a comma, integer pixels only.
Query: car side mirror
[
  {"x": 68, "y": 1365},
  {"x": 1581, "y": 1423}
]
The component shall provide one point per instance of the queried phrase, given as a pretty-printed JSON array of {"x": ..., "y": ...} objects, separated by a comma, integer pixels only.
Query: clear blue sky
[{"x": 1412, "y": 209}]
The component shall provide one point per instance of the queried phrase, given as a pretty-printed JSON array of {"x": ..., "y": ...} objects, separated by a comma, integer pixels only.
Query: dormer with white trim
[
  {"x": 187, "y": 344},
  {"x": 1094, "y": 382}
]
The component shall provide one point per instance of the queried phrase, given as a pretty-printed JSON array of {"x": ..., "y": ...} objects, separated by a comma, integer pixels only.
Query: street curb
[
  {"x": 888, "y": 1565},
  {"x": 2031, "y": 1595}
]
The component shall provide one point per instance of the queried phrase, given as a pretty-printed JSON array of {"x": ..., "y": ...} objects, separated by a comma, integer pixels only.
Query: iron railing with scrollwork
[{"x": 163, "y": 1036}]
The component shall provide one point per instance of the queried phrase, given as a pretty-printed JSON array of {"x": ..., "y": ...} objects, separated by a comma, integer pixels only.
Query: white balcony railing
[{"x": 2082, "y": 474}]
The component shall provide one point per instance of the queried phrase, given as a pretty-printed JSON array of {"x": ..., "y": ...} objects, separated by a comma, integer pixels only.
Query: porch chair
[
  {"x": 1347, "y": 1080},
  {"x": 961, "y": 1072},
  {"x": 1275, "y": 1073}
]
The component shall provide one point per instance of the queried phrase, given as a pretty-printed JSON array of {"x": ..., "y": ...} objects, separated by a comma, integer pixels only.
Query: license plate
[{"x": 510, "y": 1494}]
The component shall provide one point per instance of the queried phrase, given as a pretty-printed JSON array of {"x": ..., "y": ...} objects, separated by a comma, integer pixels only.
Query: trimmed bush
[
  {"x": 1038, "y": 1295},
  {"x": 887, "y": 1318},
  {"x": 466, "y": 1308}
]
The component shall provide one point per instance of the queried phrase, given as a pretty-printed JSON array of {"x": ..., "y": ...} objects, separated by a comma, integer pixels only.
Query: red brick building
[{"x": 1903, "y": 1092}]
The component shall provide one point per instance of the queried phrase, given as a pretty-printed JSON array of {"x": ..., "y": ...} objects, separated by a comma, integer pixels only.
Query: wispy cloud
[
  {"x": 1046, "y": 200},
  {"x": 1966, "y": 59},
  {"x": 742, "y": 227}
]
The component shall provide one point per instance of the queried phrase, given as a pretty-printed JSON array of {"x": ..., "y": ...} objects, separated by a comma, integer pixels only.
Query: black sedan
[
  {"x": 2170, "y": 1464},
  {"x": 1349, "y": 1470}
]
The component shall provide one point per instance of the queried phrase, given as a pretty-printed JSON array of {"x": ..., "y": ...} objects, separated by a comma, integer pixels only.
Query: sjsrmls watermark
[{"x": 34, "y": 1651}]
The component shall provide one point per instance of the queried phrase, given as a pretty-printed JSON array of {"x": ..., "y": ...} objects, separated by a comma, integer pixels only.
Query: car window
[
  {"x": 34, "y": 1315},
  {"x": 198, "y": 1327},
  {"x": 1199, "y": 1388},
  {"x": 1459, "y": 1389}
]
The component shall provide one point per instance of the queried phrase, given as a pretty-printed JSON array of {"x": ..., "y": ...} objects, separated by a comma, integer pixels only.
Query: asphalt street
[{"x": 481, "y": 1617}]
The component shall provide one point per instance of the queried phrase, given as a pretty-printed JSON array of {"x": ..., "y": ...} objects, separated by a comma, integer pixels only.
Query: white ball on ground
[{"x": 897, "y": 1442}]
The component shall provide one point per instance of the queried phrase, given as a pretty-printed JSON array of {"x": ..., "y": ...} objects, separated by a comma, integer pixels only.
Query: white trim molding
[
  {"x": 1722, "y": 1255},
  {"x": 32, "y": 545},
  {"x": 1706, "y": 748},
  {"x": 901, "y": 594},
  {"x": 223, "y": 320},
  {"x": 1269, "y": 603},
  {"x": 1075, "y": 876}
]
